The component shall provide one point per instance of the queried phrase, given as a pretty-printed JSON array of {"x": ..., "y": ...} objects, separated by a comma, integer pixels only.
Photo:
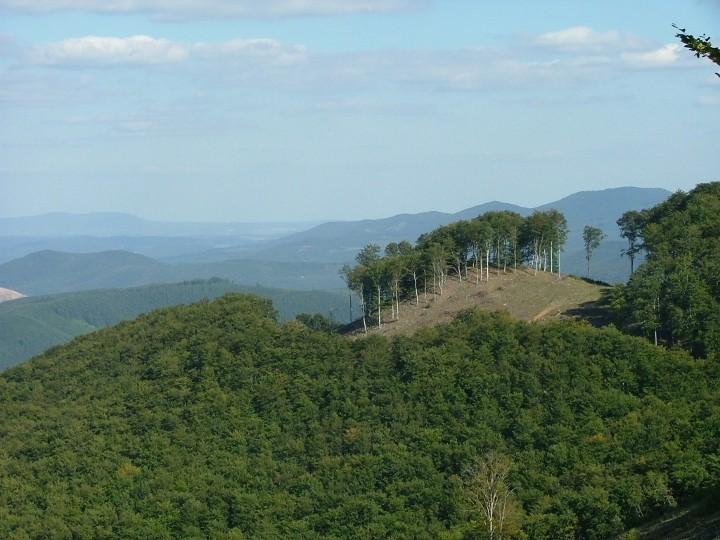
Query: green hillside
[
  {"x": 213, "y": 421},
  {"x": 674, "y": 297},
  {"x": 31, "y": 325}
]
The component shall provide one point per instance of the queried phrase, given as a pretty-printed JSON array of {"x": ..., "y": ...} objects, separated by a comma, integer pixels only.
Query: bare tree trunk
[
  {"x": 488, "y": 492},
  {"x": 559, "y": 274},
  {"x": 397, "y": 300},
  {"x": 487, "y": 265},
  {"x": 378, "y": 307},
  {"x": 417, "y": 297},
  {"x": 362, "y": 305},
  {"x": 505, "y": 258}
]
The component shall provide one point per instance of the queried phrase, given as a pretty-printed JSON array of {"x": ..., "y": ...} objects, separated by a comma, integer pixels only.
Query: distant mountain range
[
  {"x": 50, "y": 272},
  {"x": 88, "y": 233},
  {"x": 339, "y": 241},
  {"x": 101, "y": 224},
  {"x": 272, "y": 255}
]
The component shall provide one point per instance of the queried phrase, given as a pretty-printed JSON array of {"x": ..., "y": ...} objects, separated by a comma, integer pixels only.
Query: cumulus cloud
[
  {"x": 147, "y": 50},
  {"x": 98, "y": 50},
  {"x": 583, "y": 38},
  {"x": 178, "y": 9},
  {"x": 665, "y": 56},
  {"x": 270, "y": 63}
]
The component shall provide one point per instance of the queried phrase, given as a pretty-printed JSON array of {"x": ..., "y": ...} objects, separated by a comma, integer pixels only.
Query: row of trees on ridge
[{"x": 466, "y": 249}]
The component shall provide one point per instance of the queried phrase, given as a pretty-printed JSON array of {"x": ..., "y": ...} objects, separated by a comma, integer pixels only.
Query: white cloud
[
  {"x": 665, "y": 56},
  {"x": 174, "y": 9},
  {"x": 144, "y": 50},
  {"x": 97, "y": 50},
  {"x": 583, "y": 38},
  {"x": 261, "y": 49}
]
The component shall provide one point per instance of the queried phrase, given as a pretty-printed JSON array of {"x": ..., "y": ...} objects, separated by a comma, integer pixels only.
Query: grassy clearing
[{"x": 522, "y": 294}]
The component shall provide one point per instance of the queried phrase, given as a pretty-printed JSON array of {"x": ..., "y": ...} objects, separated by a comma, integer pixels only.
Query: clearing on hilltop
[{"x": 521, "y": 294}]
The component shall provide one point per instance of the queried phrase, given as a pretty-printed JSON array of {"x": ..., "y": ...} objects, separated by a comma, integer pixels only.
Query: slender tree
[
  {"x": 355, "y": 279},
  {"x": 592, "y": 236},
  {"x": 631, "y": 224},
  {"x": 488, "y": 492},
  {"x": 374, "y": 270}
]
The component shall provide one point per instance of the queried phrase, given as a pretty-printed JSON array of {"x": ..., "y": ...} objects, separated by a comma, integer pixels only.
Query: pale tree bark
[
  {"x": 417, "y": 297},
  {"x": 488, "y": 492},
  {"x": 487, "y": 265},
  {"x": 559, "y": 274},
  {"x": 362, "y": 306},
  {"x": 378, "y": 308},
  {"x": 397, "y": 300}
]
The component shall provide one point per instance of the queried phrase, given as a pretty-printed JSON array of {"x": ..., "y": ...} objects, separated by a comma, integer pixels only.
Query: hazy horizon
[
  {"x": 308, "y": 221},
  {"x": 327, "y": 110}
]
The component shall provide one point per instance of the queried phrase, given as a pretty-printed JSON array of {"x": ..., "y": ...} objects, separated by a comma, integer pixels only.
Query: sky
[{"x": 306, "y": 110}]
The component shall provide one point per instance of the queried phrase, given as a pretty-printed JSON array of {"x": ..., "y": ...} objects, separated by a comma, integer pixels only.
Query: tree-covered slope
[
  {"x": 213, "y": 421},
  {"x": 31, "y": 325},
  {"x": 674, "y": 297}
]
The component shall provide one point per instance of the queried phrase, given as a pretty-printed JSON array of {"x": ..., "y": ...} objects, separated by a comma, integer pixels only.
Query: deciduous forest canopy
[
  {"x": 674, "y": 297},
  {"x": 214, "y": 421}
]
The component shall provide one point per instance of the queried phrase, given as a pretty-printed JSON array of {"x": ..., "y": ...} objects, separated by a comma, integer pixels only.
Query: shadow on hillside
[
  {"x": 699, "y": 520},
  {"x": 597, "y": 313}
]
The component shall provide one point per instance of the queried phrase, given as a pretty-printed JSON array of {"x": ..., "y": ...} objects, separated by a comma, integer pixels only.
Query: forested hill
[
  {"x": 32, "y": 325},
  {"x": 674, "y": 297},
  {"x": 213, "y": 421}
]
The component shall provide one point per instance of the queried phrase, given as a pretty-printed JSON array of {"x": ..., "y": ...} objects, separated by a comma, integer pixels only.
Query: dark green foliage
[
  {"x": 213, "y": 421},
  {"x": 701, "y": 46},
  {"x": 676, "y": 293},
  {"x": 31, "y": 325},
  {"x": 317, "y": 322}
]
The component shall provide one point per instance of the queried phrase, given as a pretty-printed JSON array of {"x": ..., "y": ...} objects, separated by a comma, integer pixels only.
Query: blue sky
[{"x": 344, "y": 109}]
